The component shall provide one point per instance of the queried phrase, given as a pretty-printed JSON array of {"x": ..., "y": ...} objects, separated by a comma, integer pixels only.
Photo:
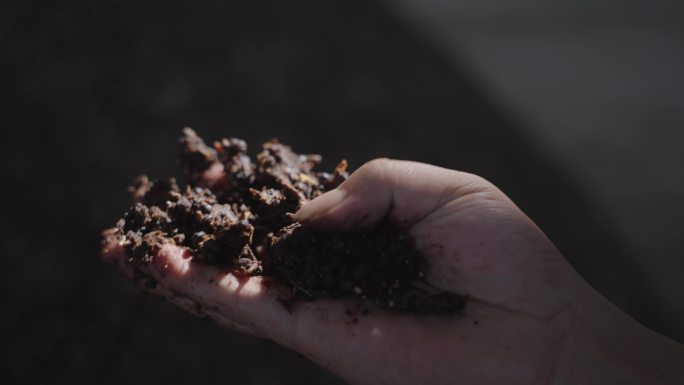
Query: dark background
[{"x": 95, "y": 93}]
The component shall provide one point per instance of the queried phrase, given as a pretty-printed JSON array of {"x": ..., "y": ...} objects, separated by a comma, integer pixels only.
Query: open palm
[{"x": 521, "y": 324}]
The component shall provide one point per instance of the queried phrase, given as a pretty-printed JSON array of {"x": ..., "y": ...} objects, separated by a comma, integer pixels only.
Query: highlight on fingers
[{"x": 242, "y": 303}]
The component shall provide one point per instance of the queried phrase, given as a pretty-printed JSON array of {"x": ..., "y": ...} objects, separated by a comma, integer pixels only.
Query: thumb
[{"x": 399, "y": 192}]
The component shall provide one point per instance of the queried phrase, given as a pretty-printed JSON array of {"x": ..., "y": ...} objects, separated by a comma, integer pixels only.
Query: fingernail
[{"x": 320, "y": 205}]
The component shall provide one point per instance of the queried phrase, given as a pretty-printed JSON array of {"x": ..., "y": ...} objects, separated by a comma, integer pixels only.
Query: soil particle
[
  {"x": 241, "y": 222},
  {"x": 379, "y": 266}
]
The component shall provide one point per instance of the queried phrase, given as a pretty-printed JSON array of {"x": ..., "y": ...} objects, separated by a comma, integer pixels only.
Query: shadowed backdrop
[{"x": 95, "y": 93}]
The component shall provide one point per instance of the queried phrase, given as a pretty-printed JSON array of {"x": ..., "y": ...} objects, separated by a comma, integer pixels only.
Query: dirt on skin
[{"x": 240, "y": 220}]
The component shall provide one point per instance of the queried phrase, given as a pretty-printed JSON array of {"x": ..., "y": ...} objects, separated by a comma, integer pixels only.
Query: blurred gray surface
[{"x": 599, "y": 86}]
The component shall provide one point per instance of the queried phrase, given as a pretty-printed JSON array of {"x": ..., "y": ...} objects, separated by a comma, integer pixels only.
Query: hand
[{"x": 530, "y": 318}]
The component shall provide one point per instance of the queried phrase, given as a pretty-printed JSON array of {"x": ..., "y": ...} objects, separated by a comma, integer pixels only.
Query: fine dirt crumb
[
  {"x": 379, "y": 266},
  {"x": 240, "y": 220}
]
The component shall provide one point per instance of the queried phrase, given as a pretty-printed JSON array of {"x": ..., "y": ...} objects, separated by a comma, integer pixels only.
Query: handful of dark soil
[{"x": 236, "y": 214}]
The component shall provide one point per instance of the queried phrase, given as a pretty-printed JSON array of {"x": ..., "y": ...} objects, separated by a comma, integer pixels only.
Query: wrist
[{"x": 606, "y": 346}]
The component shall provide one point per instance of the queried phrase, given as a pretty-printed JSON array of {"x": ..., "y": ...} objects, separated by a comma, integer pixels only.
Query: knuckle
[
  {"x": 481, "y": 182},
  {"x": 481, "y": 185},
  {"x": 376, "y": 164},
  {"x": 375, "y": 167},
  {"x": 373, "y": 170}
]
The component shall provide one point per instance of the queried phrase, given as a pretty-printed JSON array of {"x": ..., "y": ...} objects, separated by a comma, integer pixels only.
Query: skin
[{"x": 530, "y": 318}]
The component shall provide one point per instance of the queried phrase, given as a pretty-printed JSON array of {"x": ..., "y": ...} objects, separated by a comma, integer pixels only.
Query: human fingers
[
  {"x": 246, "y": 304},
  {"x": 401, "y": 192}
]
